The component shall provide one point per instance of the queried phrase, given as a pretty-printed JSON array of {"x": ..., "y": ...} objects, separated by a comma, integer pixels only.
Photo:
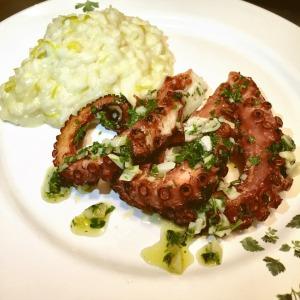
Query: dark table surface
[{"x": 289, "y": 9}]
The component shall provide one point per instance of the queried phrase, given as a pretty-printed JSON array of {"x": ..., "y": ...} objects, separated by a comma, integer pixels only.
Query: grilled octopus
[
  {"x": 160, "y": 127},
  {"x": 259, "y": 140},
  {"x": 242, "y": 114}
]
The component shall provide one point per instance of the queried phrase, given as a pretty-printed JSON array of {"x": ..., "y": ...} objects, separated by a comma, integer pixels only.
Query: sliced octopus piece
[
  {"x": 175, "y": 196},
  {"x": 113, "y": 108},
  {"x": 146, "y": 136},
  {"x": 263, "y": 172},
  {"x": 175, "y": 101}
]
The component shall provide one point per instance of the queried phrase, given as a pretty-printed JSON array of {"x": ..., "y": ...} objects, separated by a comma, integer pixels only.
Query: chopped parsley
[
  {"x": 250, "y": 244},
  {"x": 177, "y": 238},
  {"x": 293, "y": 295},
  {"x": 191, "y": 152},
  {"x": 92, "y": 220},
  {"x": 274, "y": 265},
  {"x": 285, "y": 248},
  {"x": 227, "y": 143},
  {"x": 254, "y": 160},
  {"x": 154, "y": 170},
  {"x": 168, "y": 258},
  {"x": 285, "y": 144},
  {"x": 251, "y": 139},
  {"x": 210, "y": 254},
  {"x": 270, "y": 236},
  {"x": 125, "y": 153},
  {"x": 296, "y": 247},
  {"x": 104, "y": 121},
  {"x": 97, "y": 223},
  {"x": 55, "y": 183},
  {"x": 295, "y": 222},
  {"x": 109, "y": 210},
  {"x": 80, "y": 134},
  {"x": 149, "y": 104},
  {"x": 175, "y": 241},
  {"x": 234, "y": 94},
  {"x": 87, "y": 6},
  {"x": 177, "y": 95},
  {"x": 54, "y": 189}
]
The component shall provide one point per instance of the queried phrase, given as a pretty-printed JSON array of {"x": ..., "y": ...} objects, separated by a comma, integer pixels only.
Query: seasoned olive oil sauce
[
  {"x": 171, "y": 253},
  {"x": 93, "y": 220}
]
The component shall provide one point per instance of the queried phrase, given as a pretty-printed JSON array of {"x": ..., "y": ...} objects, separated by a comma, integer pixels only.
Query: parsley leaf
[
  {"x": 97, "y": 223},
  {"x": 109, "y": 210},
  {"x": 105, "y": 122},
  {"x": 251, "y": 139},
  {"x": 295, "y": 222},
  {"x": 270, "y": 236},
  {"x": 154, "y": 170},
  {"x": 250, "y": 244},
  {"x": 285, "y": 248},
  {"x": 293, "y": 295},
  {"x": 296, "y": 247},
  {"x": 150, "y": 105},
  {"x": 168, "y": 258},
  {"x": 254, "y": 160},
  {"x": 192, "y": 152},
  {"x": 176, "y": 238},
  {"x": 87, "y": 6},
  {"x": 80, "y": 134},
  {"x": 285, "y": 297},
  {"x": 274, "y": 265}
]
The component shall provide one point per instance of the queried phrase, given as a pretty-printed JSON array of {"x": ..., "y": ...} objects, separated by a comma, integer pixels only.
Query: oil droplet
[
  {"x": 93, "y": 220},
  {"x": 172, "y": 257}
]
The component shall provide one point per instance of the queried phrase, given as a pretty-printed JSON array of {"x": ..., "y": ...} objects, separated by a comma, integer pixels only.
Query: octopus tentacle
[
  {"x": 258, "y": 130},
  {"x": 73, "y": 132},
  {"x": 175, "y": 196},
  {"x": 146, "y": 136}
]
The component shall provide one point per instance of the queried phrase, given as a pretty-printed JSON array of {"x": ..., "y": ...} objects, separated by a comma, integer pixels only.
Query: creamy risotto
[{"x": 81, "y": 58}]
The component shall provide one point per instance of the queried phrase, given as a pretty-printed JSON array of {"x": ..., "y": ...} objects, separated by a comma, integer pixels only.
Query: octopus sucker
[{"x": 173, "y": 158}]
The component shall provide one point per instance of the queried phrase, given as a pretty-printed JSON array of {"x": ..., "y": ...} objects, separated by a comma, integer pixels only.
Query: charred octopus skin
[
  {"x": 112, "y": 108},
  {"x": 164, "y": 125},
  {"x": 112, "y": 112},
  {"x": 161, "y": 126},
  {"x": 259, "y": 140},
  {"x": 174, "y": 197},
  {"x": 236, "y": 124}
]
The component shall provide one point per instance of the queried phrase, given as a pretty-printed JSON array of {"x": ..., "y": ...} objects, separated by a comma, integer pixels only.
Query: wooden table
[{"x": 289, "y": 9}]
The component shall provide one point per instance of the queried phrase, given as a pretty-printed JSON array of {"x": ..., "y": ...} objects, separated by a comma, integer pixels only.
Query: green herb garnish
[
  {"x": 104, "y": 121},
  {"x": 80, "y": 134},
  {"x": 191, "y": 152},
  {"x": 293, "y": 295},
  {"x": 150, "y": 105},
  {"x": 154, "y": 170},
  {"x": 87, "y": 6},
  {"x": 168, "y": 258},
  {"x": 250, "y": 244},
  {"x": 296, "y": 247},
  {"x": 274, "y": 265},
  {"x": 97, "y": 223},
  {"x": 270, "y": 236},
  {"x": 295, "y": 222},
  {"x": 251, "y": 139},
  {"x": 109, "y": 210},
  {"x": 254, "y": 160},
  {"x": 285, "y": 144},
  {"x": 177, "y": 238},
  {"x": 285, "y": 248}
]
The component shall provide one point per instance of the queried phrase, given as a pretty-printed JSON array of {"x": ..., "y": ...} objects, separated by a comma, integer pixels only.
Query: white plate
[{"x": 41, "y": 259}]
